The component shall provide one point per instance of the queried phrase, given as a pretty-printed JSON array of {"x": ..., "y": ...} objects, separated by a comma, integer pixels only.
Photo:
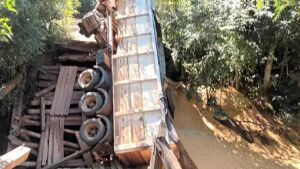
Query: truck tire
[
  {"x": 91, "y": 131},
  {"x": 106, "y": 108},
  {"x": 88, "y": 79},
  {"x": 108, "y": 132},
  {"x": 90, "y": 103},
  {"x": 104, "y": 79}
]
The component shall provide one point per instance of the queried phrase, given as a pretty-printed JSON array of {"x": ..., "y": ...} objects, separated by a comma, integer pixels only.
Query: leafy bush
[
  {"x": 34, "y": 25},
  {"x": 86, "y": 6}
]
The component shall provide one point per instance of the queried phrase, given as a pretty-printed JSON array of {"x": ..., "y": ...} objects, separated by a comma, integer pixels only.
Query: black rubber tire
[
  {"x": 106, "y": 108},
  {"x": 90, "y": 103},
  {"x": 88, "y": 79},
  {"x": 92, "y": 131},
  {"x": 104, "y": 79},
  {"x": 108, "y": 132}
]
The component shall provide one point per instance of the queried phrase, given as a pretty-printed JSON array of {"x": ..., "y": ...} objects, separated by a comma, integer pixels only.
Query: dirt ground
[{"x": 213, "y": 146}]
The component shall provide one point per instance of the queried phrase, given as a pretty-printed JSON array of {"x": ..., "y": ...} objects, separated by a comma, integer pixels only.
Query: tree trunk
[{"x": 268, "y": 68}]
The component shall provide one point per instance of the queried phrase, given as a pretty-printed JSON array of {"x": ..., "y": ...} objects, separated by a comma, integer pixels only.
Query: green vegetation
[
  {"x": 249, "y": 44},
  {"x": 86, "y": 6},
  {"x": 28, "y": 27}
]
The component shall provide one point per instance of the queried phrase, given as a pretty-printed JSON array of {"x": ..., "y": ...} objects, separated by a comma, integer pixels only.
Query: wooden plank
[
  {"x": 86, "y": 156},
  {"x": 69, "y": 89},
  {"x": 59, "y": 91},
  {"x": 51, "y": 142},
  {"x": 14, "y": 157},
  {"x": 40, "y": 151},
  {"x": 46, "y": 142}
]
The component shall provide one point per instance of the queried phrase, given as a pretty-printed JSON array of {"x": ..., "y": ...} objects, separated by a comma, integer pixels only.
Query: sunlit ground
[{"x": 272, "y": 139}]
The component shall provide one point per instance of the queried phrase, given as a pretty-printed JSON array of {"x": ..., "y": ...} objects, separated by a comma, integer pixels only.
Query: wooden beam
[
  {"x": 77, "y": 58},
  {"x": 80, "y": 46},
  {"x": 166, "y": 154},
  {"x": 14, "y": 157},
  {"x": 10, "y": 86}
]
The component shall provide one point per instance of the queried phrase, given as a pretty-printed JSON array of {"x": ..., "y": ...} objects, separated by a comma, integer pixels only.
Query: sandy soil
[{"x": 213, "y": 146}]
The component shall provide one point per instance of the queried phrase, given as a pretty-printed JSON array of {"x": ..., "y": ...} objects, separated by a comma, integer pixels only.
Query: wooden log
[
  {"x": 68, "y": 158},
  {"x": 15, "y": 157},
  {"x": 47, "y": 111},
  {"x": 86, "y": 156},
  {"x": 10, "y": 86},
  {"x": 45, "y": 91},
  {"x": 81, "y": 46},
  {"x": 77, "y": 58}
]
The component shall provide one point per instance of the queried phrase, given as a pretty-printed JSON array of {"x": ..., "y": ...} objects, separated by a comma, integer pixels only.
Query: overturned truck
[{"x": 115, "y": 109}]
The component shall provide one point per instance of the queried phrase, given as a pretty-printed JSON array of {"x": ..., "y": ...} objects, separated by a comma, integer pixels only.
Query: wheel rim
[
  {"x": 92, "y": 131},
  {"x": 90, "y": 102}
]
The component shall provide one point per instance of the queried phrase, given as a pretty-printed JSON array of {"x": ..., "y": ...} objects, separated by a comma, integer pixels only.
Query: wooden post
[{"x": 14, "y": 157}]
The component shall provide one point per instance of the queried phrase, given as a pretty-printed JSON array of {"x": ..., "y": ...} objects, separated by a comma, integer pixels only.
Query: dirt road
[{"x": 208, "y": 151}]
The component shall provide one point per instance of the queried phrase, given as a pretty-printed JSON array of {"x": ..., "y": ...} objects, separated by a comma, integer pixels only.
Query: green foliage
[
  {"x": 5, "y": 28},
  {"x": 209, "y": 51},
  {"x": 35, "y": 25},
  {"x": 86, "y": 6},
  {"x": 228, "y": 42}
]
